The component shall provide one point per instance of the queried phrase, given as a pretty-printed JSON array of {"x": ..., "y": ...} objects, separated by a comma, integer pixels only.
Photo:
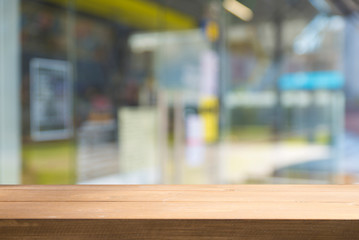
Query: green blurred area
[
  {"x": 250, "y": 133},
  {"x": 55, "y": 162},
  {"x": 254, "y": 133},
  {"x": 49, "y": 163}
]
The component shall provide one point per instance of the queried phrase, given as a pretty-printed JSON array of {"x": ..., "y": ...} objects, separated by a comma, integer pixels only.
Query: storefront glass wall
[{"x": 165, "y": 91}]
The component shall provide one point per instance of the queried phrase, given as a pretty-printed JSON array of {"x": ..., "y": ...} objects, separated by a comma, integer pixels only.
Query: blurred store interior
[{"x": 179, "y": 91}]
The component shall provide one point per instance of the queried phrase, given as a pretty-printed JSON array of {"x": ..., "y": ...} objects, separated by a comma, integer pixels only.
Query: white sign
[
  {"x": 209, "y": 73},
  {"x": 195, "y": 149},
  {"x": 137, "y": 143}
]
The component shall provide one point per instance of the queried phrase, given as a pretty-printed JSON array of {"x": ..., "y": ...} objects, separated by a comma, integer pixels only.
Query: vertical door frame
[{"x": 10, "y": 127}]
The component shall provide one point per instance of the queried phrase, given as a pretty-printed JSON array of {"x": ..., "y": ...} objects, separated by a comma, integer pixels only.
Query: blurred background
[{"x": 179, "y": 91}]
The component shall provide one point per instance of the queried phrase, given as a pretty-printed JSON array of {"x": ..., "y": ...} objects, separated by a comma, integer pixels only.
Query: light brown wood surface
[{"x": 180, "y": 212}]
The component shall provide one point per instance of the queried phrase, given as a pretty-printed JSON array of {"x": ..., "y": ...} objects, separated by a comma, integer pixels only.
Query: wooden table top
[{"x": 236, "y": 202}]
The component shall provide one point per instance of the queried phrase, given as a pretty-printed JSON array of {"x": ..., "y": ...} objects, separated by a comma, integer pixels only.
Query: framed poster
[{"x": 50, "y": 99}]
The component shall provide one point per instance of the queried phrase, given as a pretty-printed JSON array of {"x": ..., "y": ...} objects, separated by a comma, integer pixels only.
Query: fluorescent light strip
[{"x": 238, "y": 9}]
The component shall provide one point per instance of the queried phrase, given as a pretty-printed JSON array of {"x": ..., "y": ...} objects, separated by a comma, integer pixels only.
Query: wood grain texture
[{"x": 180, "y": 212}]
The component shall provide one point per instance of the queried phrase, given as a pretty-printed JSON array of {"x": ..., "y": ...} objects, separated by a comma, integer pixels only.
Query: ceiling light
[{"x": 238, "y": 9}]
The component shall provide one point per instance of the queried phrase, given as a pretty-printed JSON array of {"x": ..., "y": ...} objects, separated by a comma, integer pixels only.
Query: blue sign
[{"x": 330, "y": 80}]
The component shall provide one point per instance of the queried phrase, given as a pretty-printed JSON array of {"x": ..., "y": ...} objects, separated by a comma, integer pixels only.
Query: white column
[{"x": 10, "y": 128}]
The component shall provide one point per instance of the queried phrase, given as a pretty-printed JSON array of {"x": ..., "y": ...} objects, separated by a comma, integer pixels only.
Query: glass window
[{"x": 180, "y": 92}]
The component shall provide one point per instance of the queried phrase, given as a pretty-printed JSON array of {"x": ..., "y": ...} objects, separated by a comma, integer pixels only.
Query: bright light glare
[{"x": 238, "y": 9}]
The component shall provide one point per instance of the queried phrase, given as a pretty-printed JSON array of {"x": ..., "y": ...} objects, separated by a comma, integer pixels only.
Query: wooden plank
[
  {"x": 252, "y": 188},
  {"x": 179, "y": 229},
  {"x": 36, "y": 195},
  {"x": 180, "y": 212}
]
